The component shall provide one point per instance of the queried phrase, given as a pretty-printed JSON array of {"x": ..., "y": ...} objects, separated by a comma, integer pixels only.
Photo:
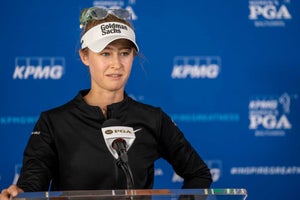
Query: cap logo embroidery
[{"x": 112, "y": 28}]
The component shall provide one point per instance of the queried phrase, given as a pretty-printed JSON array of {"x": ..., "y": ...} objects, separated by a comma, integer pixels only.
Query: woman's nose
[{"x": 116, "y": 62}]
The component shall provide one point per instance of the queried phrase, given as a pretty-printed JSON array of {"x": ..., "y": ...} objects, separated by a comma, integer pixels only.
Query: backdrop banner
[{"x": 227, "y": 73}]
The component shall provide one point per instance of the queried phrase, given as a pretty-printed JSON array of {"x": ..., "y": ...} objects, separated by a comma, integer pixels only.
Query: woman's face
[{"x": 110, "y": 69}]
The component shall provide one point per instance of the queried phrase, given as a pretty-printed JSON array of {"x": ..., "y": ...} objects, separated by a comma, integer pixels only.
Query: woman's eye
[
  {"x": 126, "y": 52},
  {"x": 105, "y": 54}
]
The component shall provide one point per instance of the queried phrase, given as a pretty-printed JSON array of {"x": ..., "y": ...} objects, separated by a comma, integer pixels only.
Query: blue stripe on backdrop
[{"x": 226, "y": 72}]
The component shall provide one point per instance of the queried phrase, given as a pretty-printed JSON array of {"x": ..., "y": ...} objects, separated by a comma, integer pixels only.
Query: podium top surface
[{"x": 182, "y": 194}]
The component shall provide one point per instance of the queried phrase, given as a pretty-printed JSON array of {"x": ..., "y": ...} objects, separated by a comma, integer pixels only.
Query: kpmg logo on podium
[
  {"x": 269, "y": 13},
  {"x": 196, "y": 67},
  {"x": 270, "y": 115},
  {"x": 39, "y": 68}
]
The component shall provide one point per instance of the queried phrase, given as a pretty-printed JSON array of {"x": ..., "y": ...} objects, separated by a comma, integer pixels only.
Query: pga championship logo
[
  {"x": 39, "y": 68},
  {"x": 196, "y": 67},
  {"x": 270, "y": 116},
  {"x": 269, "y": 13}
]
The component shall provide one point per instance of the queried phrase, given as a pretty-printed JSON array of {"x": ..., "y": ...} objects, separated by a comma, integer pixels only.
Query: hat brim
[{"x": 100, "y": 44}]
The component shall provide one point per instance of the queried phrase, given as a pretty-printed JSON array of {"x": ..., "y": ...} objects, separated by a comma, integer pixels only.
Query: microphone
[
  {"x": 118, "y": 140},
  {"x": 119, "y": 145}
]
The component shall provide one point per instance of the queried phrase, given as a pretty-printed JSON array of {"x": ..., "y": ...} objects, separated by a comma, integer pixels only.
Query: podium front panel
[{"x": 157, "y": 194}]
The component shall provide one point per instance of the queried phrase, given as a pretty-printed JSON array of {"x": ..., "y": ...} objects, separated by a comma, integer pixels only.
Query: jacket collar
[{"x": 114, "y": 110}]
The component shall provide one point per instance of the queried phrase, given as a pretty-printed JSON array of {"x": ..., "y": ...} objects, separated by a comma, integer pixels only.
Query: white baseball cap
[{"x": 98, "y": 37}]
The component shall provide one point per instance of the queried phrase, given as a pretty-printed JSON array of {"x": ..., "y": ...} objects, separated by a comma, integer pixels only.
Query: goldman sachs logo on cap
[{"x": 112, "y": 28}]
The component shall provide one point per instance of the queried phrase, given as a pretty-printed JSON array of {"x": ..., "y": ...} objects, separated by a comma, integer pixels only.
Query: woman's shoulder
[
  {"x": 61, "y": 108},
  {"x": 144, "y": 106},
  {"x": 72, "y": 104}
]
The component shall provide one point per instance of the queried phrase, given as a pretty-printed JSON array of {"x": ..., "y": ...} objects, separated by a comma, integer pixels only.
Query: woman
[{"x": 67, "y": 149}]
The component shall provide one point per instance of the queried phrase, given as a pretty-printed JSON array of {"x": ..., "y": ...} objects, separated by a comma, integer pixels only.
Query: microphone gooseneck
[
  {"x": 117, "y": 138},
  {"x": 119, "y": 145}
]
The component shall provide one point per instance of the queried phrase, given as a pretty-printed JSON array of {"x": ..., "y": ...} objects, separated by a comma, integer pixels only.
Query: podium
[{"x": 156, "y": 194}]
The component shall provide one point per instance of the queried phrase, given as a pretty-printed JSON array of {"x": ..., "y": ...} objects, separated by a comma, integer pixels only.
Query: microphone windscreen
[{"x": 119, "y": 144}]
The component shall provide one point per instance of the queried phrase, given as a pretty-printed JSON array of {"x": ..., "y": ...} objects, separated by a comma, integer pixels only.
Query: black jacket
[{"x": 67, "y": 147}]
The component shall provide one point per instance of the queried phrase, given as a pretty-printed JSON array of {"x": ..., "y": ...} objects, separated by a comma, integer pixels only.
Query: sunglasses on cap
[{"x": 97, "y": 13}]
